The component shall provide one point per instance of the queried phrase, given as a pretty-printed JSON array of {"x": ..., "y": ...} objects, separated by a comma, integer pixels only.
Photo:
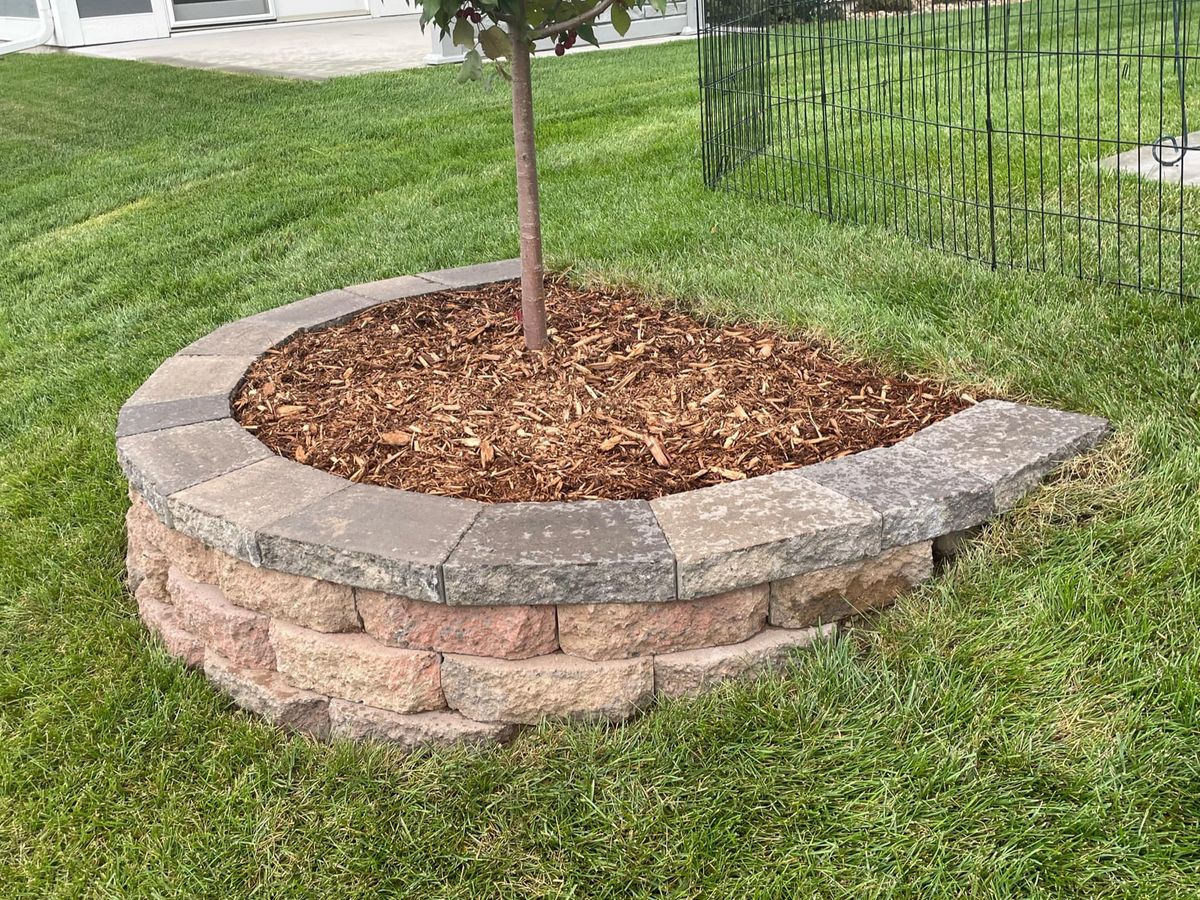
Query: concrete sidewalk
[
  {"x": 310, "y": 50},
  {"x": 315, "y": 50}
]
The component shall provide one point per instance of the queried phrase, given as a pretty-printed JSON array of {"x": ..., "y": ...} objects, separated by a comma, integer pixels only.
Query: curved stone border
[{"x": 357, "y": 610}]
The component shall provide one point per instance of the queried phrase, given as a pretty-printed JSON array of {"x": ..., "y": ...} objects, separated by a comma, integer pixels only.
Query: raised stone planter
[{"x": 356, "y": 611}]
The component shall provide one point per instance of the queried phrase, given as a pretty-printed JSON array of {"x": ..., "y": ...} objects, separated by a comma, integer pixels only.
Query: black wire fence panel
[{"x": 985, "y": 129}]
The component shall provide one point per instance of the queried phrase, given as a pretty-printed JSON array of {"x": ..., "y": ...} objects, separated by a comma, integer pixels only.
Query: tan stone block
[
  {"x": 162, "y": 620},
  {"x": 189, "y": 556},
  {"x": 690, "y": 672},
  {"x": 355, "y": 721},
  {"x": 144, "y": 561},
  {"x": 241, "y": 636},
  {"x": 621, "y": 630},
  {"x": 357, "y": 667},
  {"x": 508, "y": 632},
  {"x": 829, "y": 595},
  {"x": 556, "y": 686},
  {"x": 270, "y": 695},
  {"x": 319, "y": 605}
]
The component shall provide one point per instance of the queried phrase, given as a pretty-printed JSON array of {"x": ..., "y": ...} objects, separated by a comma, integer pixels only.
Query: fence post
[
  {"x": 987, "y": 90},
  {"x": 824, "y": 113}
]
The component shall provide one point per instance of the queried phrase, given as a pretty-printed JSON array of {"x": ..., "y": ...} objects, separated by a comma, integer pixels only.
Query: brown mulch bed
[{"x": 632, "y": 400}]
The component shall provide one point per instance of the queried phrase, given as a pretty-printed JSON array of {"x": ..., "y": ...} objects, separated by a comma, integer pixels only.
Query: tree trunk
[{"x": 533, "y": 290}]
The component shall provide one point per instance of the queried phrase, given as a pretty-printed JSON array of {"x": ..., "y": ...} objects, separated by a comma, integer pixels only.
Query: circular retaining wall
[{"x": 358, "y": 611}]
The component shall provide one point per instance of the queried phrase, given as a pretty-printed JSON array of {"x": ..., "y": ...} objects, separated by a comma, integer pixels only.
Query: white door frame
[{"x": 268, "y": 16}]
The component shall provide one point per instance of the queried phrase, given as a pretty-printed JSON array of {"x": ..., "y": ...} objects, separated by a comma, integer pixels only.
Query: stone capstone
[
  {"x": 581, "y": 551},
  {"x": 226, "y": 512},
  {"x": 371, "y": 536},
  {"x": 747, "y": 532},
  {"x": 1009, "y": 445},
  {"x": 917, "y": 496}
]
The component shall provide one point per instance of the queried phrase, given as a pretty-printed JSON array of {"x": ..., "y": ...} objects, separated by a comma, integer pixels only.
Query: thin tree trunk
[{"x": 533, "y": 291}]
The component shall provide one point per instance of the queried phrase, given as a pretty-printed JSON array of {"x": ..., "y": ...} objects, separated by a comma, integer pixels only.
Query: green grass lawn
[
  {"x": 1027, "y": 725},
  {"x": 885, "y": 120}
]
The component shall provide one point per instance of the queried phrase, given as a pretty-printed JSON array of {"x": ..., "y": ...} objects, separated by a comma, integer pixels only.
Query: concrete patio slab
[{"x": 305, "y": 50}]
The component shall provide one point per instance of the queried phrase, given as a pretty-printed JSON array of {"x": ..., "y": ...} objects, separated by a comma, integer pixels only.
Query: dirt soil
[{"x": 632, "y": 400}]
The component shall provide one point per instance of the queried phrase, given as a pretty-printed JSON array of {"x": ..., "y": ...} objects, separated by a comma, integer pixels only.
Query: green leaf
[
  {"x": 429, "y": 10},
  {"x": 464, "y": 34},
  {"x": 660, "y": 6},
  {"x": 472, "y": 68},
  {"x": 496, "y": 43},
  {"x": 588, "y": 33},
  {"x": 620, "y": 18}
]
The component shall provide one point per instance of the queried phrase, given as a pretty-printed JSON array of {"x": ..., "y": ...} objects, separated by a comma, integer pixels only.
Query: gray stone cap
[{"x": 207, "y": 477}]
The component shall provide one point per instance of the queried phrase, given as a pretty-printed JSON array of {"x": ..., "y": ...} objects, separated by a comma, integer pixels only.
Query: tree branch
[{"x": 559, "y": 27}]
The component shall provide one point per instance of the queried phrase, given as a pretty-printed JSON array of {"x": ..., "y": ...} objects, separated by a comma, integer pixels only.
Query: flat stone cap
[
  {"x": 207, "y": 477},
  {"x": 586, "y": 551}
]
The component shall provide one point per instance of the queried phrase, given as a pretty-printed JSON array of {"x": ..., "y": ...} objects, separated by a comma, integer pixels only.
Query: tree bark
[{"x": 533, "y": 290}]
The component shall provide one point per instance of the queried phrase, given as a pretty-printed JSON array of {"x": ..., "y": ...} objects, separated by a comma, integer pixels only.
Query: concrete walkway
[{"x": 312, "y": 50}]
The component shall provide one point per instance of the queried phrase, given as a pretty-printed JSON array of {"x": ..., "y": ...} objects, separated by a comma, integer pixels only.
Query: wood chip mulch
[{"x": 632, "y": 400}]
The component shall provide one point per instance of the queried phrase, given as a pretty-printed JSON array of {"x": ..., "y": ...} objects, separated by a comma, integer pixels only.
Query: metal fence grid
[{"x": 983, "y": 129}]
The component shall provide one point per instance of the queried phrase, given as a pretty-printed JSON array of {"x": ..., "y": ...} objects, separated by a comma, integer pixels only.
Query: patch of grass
[{"x": 1028, "y": 724}]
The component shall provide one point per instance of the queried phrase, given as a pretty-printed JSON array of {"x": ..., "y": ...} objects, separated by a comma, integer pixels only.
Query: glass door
[{"x": 185, "y": 13}]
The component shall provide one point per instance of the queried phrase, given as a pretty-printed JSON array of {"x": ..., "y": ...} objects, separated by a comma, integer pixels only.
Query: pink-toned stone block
[
  {"x": 691, "y": 672},
  {"x": 829, "y": 595},
  {"x": 357, "y": 667},
  {"x": 319, "y": 605},
  {"x": 508, "y": 632},
  {"x": 354, "y": 721},
  {"x": 241, "y": 636},
  {"x": 270, "y": 695},
  {"x": 557, "y": 686},
  {"x": 162, "y": 619},
  {"x": 621, "y": 630}
]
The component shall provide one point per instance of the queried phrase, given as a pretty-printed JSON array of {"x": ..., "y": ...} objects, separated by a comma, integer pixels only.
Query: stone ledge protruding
[
  {"x": 586, "y": 551},
  {"x": 227, "y": 512},
  {"x": 746, "y": 532},
  {"x": 1010, "y": 446}
]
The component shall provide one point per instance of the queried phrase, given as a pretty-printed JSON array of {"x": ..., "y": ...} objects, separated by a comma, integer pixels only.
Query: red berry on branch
[
  {"x": 476, "y": 17},
  {"x": 560, "y": 49}
]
